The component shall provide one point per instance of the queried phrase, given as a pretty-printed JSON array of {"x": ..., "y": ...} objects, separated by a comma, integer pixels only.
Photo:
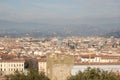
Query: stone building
[{"x": 59, "y": 66}]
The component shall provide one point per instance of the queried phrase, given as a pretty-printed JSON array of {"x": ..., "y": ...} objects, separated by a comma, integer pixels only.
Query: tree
[
  {"x": 32, "y": 75},
  {"x": 94, "y": 74}
]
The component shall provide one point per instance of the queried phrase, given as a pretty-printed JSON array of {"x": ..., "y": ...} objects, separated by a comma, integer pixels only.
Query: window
[
  {"x": 1, "y": 69},
  {"x": 22, "y": 69},
  {"x": 11, "y": 65},
  {"x": 14, "y": 65}
]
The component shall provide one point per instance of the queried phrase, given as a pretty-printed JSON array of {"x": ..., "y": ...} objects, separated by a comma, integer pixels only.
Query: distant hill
[{"x": 40, "y": 29}]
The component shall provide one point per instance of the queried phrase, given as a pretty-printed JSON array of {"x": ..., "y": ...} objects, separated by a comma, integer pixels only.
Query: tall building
[
  {"x": 42, "y": 66},
  {"x": 59, "y": 66}
]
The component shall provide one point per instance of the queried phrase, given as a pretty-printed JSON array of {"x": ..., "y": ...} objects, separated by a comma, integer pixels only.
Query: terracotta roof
[
  {"x": 114, "y": 63},
  {"x": 13, "y": 60}
]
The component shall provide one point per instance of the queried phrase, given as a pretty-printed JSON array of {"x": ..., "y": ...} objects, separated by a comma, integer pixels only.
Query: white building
[
  {"x": 42, "y": 66},
  {"x": 93, "y": 58},
  {"x": 8, "y": 67}
]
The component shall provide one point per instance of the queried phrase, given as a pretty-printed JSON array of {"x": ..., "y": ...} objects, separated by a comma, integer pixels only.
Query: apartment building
[{"x": 8, "y": 67}]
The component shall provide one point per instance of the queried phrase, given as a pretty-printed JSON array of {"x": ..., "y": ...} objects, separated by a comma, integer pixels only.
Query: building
[
  {"x": 8, "y": 67},
  {"x": 59, "y": 66},
  {"x": 42, "y": 66},
  {"x": 93, "y": 58},
  {"x": 105, "y": 62}
]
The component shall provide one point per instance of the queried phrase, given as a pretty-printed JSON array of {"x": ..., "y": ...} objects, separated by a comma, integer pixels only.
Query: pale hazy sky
[{"x": 61, "y": 11}]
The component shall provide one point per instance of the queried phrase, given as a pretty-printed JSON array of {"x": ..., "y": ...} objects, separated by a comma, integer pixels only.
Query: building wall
[
  {"x": 7, "y": 68},
  {"x": 109, "y": 60},
  {"x": 42, "y": 66},
  {"x": 60, "y": 71},
  {"x": 99, "y": 59}
]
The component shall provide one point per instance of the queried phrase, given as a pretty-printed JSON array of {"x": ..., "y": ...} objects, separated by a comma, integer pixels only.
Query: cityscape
[
  {"x": 58, "y": 55},
  {"x": 59, "y": 40}
]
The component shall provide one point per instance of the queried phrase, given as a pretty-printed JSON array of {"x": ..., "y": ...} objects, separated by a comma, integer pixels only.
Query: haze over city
[{"x": 79, "y": 17}]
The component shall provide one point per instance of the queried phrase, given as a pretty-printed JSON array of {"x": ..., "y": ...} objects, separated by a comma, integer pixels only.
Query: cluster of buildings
[{"x": 65, "y": 55}]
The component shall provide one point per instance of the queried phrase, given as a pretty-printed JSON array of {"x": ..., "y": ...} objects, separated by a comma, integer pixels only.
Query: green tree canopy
[
  {"x": 94, "y": 74},
  {"x": 32, "y": 75}
]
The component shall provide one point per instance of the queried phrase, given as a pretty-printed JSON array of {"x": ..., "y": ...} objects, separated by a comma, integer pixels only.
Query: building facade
[
  {"x": 8, "y": 67},
  {"x": 42, "y": 66}
]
